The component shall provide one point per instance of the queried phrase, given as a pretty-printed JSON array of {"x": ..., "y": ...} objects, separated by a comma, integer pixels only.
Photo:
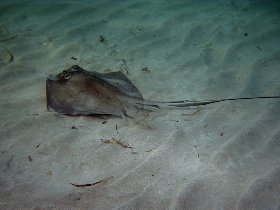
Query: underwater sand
[{"x": 221, "y": 156}]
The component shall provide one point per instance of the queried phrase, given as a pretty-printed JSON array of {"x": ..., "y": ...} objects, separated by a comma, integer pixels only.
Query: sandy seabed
[{"x": 221, "y": 156}]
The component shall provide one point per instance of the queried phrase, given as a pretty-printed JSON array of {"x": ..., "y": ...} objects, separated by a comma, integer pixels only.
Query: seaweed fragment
[
  {"x": 102, "y": 39},
  {"x": 29, "y": 158},
  {"x": 146, "y": 70},
  {"x": 259, "y": 48},
  {"x": 115, "y": 141},
  {"x": 94, "y": 183},
  {"x": 150, "y": 150},
  {"x": 196, "y": 148},
  {"x": 12, "y": 58},
  {"x": 9, "y": 38},
  {"x": 135, "y": 31}
]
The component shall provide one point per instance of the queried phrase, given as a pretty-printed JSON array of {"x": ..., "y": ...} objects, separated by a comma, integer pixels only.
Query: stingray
[{"x": 76, "y": 91}]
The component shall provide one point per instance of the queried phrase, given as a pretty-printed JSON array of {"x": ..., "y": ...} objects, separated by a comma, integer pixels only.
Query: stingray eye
[{"x": 65, "y": 75}]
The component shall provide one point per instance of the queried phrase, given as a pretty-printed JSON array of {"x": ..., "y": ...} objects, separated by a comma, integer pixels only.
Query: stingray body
[
  {"x": 76, "y": 91},
  {"x": 79, "y": 92}
]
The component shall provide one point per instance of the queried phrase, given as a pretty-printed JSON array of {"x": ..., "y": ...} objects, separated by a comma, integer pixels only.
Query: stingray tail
[{"x": 154, "y": 105}]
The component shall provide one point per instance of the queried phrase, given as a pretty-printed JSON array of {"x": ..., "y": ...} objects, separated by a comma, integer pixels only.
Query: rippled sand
[{"x": 221, "y": 156}]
